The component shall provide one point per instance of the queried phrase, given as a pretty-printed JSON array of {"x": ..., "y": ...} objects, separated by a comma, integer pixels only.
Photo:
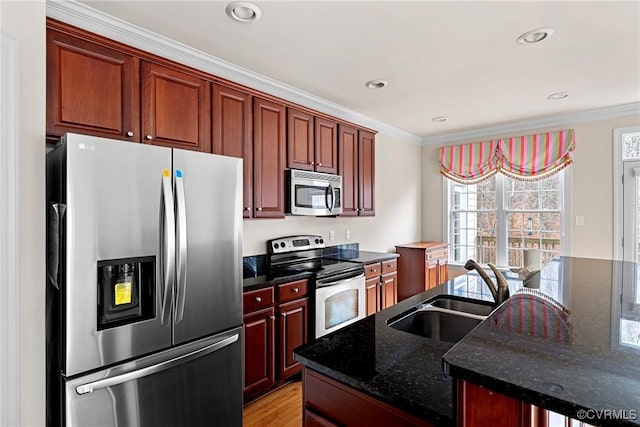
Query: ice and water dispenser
[{"x": 125, "y": 291}]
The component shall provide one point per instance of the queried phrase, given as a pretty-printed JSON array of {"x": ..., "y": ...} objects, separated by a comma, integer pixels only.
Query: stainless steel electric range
[{"x": 338, "y": 296}]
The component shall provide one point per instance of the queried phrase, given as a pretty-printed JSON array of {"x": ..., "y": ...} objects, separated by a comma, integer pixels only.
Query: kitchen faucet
[{"x": 501, "y": 291}]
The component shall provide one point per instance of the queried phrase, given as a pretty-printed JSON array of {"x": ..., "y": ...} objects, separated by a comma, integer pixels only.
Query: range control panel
[{"x": 294, "y": 243}]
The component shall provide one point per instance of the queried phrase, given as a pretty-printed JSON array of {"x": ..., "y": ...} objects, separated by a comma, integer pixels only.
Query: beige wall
[
  {"x": 397, "y": 218},
  {"x": 591, "y": 195},
  {"x": 25, "y": 23}
]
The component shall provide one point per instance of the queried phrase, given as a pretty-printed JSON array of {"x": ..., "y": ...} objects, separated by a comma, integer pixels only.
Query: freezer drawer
[{"x": 198, "y": 384}]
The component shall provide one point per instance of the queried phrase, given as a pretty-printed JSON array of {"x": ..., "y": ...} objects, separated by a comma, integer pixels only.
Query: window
[{"x": 505, "y": 221}]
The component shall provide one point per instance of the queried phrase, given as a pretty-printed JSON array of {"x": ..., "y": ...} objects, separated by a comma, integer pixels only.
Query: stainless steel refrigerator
[{"x": 144, "y": 263}]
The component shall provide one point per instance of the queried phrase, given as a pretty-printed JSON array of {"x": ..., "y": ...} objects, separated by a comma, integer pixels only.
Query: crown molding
[
  {"x": 95, "y": 21},
  {"x": 534, "y": 124}
]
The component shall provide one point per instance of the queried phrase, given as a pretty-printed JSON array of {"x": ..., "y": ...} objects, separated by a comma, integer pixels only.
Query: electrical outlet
[
  {"x": 579, "y": 220},
  {"x": 347, "y": 234},
  {"x": 332, "y": 234}
]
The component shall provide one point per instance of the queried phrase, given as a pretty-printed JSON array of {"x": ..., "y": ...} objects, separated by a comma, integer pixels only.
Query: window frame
[{"x": 501, "y": 211}]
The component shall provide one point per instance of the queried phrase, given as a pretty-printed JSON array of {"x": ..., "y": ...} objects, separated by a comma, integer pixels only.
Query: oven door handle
[{"x": 333, "y": 282}]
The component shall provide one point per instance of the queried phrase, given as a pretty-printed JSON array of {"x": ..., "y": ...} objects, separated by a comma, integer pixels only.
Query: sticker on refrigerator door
[
  {"x": 178, "y": 173},
  {"x": 122, "y": 293},
  {"x": 166, "y": 173}
]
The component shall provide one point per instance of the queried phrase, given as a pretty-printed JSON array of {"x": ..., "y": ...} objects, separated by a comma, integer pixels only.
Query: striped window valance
[{"x": 528, "y": 157}]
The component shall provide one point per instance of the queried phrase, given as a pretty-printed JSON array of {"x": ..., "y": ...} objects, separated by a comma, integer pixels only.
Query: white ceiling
[{"x": 451, "y": 58}]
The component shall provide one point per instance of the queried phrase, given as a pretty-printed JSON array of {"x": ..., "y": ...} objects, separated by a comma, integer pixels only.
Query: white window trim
[
  {"x": 618, "y": 214},
  {"x": 566, "y": 208}
]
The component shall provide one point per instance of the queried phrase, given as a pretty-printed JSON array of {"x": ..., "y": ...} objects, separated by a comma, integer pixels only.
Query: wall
[
  {"x": 397, "y": 205},
  {"x": 25, "y": 23},
  {"x": 592, "y": 190}
]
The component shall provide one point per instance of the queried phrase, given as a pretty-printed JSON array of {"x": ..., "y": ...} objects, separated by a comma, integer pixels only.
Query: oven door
[{"x": 339, "y": 304}]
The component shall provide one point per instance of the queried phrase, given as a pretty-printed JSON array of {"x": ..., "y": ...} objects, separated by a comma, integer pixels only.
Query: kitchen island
[{"x": 595, "y": 378}]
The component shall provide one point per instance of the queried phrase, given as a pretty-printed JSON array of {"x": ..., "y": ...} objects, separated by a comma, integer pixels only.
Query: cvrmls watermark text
[{"x": 607, "y": 414}]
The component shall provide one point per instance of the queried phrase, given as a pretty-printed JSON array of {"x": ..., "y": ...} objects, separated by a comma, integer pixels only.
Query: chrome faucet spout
[{"x": 500, "y": 292}]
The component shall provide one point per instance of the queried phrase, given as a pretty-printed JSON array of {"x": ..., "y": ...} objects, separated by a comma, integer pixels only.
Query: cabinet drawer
[
  {"x": 293, "y": 290},
  {"x": 440, "y": 253},
  {"x": 389, "y": 266},
  {"x": 372, "y": 270},
  {"x": 255, "y": 300}
]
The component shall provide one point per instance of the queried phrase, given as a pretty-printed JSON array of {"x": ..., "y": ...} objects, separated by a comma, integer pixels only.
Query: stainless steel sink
[{"x": 443, "y": 318}]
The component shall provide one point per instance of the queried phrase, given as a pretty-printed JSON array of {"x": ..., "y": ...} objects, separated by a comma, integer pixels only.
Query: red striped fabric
[{"x": 527, "y": 157}]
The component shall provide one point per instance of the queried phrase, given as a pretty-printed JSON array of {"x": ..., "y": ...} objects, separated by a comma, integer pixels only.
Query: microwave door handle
[
  {"x": 333, "y": 197},
  {"x": 167, "y": 245},
  {"x": 328, "y": 191}
]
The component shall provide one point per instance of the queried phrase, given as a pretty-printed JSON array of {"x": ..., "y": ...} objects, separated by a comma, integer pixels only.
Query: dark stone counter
[
  {"x": 599, "y": 370},
  {"x": 365, "y": 257}
]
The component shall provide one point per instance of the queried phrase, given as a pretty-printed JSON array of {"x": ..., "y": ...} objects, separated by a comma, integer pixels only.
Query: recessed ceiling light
[
  {"x": 243, "y": 11},
  {"x": 376, "y": 84},
  {"x": 535, "y": 36},
  {"x": 558, "y": 95},
  {"x": 440, "y": 119}
]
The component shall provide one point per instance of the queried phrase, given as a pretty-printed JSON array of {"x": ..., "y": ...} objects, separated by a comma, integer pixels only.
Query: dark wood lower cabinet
[
  {"x": 294, "y": 324},
  {"x": 329, "y": 403},
  {"x": 259, "y": 343},
  {"x": 478, "y": 406}
]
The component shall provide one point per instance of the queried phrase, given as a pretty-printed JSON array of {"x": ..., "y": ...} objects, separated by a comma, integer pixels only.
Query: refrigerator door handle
[
  {"x": 154, "y": 369},
  {"x": 168, "y": 245},
  {"x": 181, "y": 259}
]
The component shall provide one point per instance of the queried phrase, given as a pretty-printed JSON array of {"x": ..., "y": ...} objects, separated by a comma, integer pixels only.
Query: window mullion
[{"x": 501, "y": 222}]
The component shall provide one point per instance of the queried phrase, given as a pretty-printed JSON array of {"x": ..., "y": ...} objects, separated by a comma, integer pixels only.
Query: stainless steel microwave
[{"x": 313, "y": 193}]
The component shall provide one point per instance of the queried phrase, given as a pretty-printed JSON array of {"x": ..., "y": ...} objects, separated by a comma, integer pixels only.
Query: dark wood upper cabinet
[
  {"x": 326, "y": 145},
  {"x": 366, "y": 172},
  {"x": 269, "y": 158},
  {"x": 300, "y": 140},
  {"x": 91, "y": 89},
  {"x": 348, "y": 168},
  {"x": 356, "y": 165},
  {"x": 176, "y": 108},
  {"x": 233, "y": 134}
]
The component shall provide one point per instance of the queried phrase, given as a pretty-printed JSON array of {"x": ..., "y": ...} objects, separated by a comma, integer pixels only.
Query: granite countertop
[
  {"x": 401, "y": 369},
  {"x": 365, "y": 257},
  {"x": 599, "y": 370}
]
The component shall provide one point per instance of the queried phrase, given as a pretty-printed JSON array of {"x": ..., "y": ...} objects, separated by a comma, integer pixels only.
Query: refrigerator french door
[{"x": 144, "y": 269}]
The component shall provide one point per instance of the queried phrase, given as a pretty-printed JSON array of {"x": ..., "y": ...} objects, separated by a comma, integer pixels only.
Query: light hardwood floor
[{"x": 280, "y": 408}]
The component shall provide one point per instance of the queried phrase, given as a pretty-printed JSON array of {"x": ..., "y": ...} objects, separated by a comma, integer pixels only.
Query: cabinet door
[
  {"x": 259, "y": 347},
  {"x": 269, "y": 145},
  {"x": 91, "y": 89},
  {"x": 431, "y": 274},
  {"x": 372, "y": 295},
  {"x": 232, "y": 134},
  {"x": 443, "y": 271},
  {"x": 300, "y": 140},
  {"x": 366, "y": 173},
  {"x": 388, "y": 290},
  {"x": 478, "y": 406},
  {"x": 176, "y": 108},
  {"x": 326, "y": 145},
  {"x": 348, "y": 168},
  {"x": 294, "y": 324}
]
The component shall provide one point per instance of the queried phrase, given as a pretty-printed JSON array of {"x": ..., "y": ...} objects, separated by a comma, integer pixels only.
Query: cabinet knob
[
  {"x": 258, "y": 299},
  {"x": 149, "y": 137},
  {"x": 319, "y": 164},
  {"x": 247, "y": 208},
  {"x": 295, "y": 290},
  {"x": 311, "y": 163},
  {"x": 272, "y": 317},
  {"x": 129, "y": 134},
  {"x": 259, "y": 209},
  {"x": 284, "y": 314}
]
